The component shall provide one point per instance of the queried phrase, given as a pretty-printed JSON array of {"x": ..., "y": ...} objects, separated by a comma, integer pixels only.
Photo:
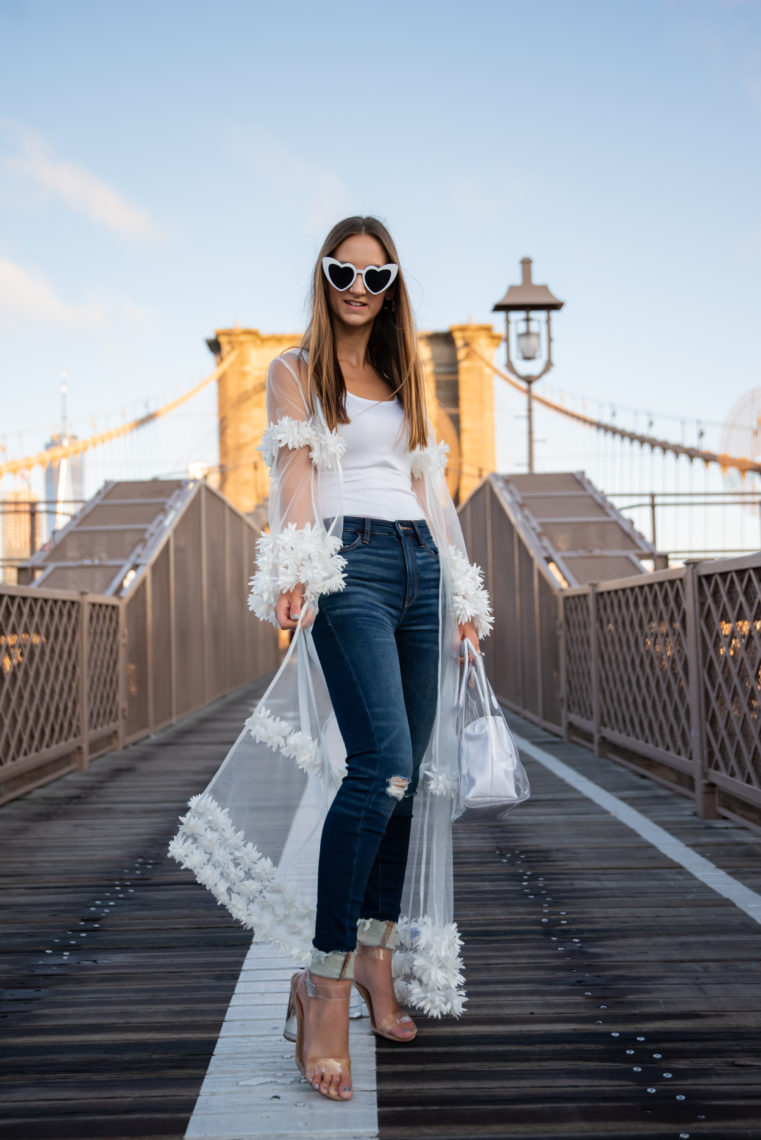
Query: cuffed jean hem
[
  {"x": 332, "y": 963},
  {"x": 373, "y": 932}
]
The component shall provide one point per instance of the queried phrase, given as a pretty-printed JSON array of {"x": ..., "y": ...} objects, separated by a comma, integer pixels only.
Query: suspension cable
[
  {"x": 725, "y": 461},
  {"x": 78, "y": 446}
]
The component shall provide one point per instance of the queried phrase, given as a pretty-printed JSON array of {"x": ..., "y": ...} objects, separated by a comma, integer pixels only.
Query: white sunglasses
[{"x": 342, "y": 275}]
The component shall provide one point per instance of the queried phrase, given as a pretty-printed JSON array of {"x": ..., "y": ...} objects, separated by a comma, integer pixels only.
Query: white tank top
[{"x": 377, "y": 465}]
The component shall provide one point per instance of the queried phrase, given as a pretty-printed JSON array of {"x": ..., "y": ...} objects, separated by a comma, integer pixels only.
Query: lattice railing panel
[
  {"x": 39, "y": 674},
  {"x": 644, "y": 675},
  {"x": 730, "y": 633},
  {"x": 578, "y": 656},
  {"x": 103, "y": 665}
]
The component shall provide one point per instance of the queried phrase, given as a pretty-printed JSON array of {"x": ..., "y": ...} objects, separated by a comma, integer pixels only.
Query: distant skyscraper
[
  {"x": 64, "y": 478},
  {"x": 64, "y": 484}
]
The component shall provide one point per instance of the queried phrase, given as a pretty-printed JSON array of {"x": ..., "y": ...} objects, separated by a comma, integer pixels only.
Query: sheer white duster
[{"x": 220, "y": 837}]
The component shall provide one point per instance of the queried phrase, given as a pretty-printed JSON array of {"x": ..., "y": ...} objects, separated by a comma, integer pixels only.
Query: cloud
[
  {"x": 78, "y": 188},
  {"x": 27, "y": 294},
  {"x": 315, "y": 193}
]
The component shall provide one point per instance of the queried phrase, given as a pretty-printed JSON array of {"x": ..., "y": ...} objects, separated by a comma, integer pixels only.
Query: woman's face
[{"x": 355, "y": 307}]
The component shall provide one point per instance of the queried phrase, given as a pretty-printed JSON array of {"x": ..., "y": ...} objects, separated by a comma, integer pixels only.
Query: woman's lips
[{"x": 355, "y": 304}]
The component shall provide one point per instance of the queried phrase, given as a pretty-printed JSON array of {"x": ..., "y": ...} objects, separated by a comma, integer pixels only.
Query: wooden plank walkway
[
  {"x": 596, "y": 964},
  {"x": 117, "y": 968},
  {"x": 611, "y": 994}
]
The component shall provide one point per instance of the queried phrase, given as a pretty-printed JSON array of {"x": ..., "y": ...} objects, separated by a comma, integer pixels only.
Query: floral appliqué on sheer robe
[{"x": 221, "y": 837}]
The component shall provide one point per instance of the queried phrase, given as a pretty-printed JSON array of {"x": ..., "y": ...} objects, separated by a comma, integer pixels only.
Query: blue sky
[{"x": 170, "y": 168}]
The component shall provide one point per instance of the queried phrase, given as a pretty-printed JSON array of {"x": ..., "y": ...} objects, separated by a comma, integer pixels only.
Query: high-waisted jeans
[{"x": 378, "y": 645}]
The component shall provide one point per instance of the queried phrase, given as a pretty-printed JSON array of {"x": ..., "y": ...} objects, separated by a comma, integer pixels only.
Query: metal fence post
[
  {"x": 205, "y": 623},
  {"x": 705, "y": 791},
  {"x": 595, "y": 667},
  {"x": 150, "y": 679},
  {"x": 563, "y": 678},
  {"x": 121, "y": 680},
  {"x": 84, "y": 695},
  {"x": 32, "y": 528},
  {"x": 518, "y": 621},
  {"x": 172, "y": 626},
  {"x": 538, "y": 643}
]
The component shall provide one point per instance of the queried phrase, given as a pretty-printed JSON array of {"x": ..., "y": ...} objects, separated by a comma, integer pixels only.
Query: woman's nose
[{"x": 358, "y": 285}]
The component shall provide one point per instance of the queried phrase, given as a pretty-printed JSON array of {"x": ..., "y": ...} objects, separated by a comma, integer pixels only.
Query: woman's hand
[
  {"x": 288, "y": 607},
  {"x": 468, "y": 630}
]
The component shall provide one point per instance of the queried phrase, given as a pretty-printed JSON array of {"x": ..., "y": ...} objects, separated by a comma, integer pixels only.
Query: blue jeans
[{"x": 378, "y": 645}]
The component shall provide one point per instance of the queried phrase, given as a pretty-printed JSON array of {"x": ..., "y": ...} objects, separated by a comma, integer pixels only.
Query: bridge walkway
[{"x": 612, "y": 954}]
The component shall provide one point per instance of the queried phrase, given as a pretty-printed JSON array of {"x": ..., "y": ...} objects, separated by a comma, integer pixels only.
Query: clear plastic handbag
[{"x": 491, "y": 774}]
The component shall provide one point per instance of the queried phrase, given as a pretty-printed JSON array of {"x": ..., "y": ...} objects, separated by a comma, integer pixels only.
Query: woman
[{"x": 365, "y": 563}]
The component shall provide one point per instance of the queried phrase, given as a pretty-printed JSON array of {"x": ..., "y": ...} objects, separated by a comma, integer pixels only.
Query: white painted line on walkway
[
  {"x": 703, "y": 869},
  {"x": 252, "y": 1089}
]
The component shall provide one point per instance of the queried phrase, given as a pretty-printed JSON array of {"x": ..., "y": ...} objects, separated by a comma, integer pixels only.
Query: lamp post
[{"x": 528, "y": 298}]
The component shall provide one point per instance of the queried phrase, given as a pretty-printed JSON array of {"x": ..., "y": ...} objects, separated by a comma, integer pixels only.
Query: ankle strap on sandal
[
  {"x": 377, "y": 952},
  {"x": 374, "y": 932},
  {"x": 325, "y": 988}
]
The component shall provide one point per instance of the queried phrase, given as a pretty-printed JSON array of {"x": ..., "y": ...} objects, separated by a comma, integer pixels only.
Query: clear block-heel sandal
[
  {"x": 330, "y": 1076},
  {"x": 395, "y": 1026}
]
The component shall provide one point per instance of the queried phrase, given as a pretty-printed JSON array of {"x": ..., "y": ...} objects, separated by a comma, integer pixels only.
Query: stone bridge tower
[{"x": 460, "y": 400}]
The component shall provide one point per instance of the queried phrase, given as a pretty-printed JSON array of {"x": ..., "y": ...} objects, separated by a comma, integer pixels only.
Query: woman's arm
[
  {"x": 297, "y": 561},
  {"x": 470, "y": 599}
]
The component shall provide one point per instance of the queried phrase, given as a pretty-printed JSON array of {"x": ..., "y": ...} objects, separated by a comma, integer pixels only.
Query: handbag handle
[{"x": 472, "y": 665}]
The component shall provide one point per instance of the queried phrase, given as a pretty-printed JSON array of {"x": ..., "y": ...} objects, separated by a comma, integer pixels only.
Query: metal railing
[
  {"x": 59, "y": 683},
  {"x": 696, "y": 524},
  {"x": 522, "y": 656},
  {"x": 664, "y": 672},
  {"x": 190, "y": 636},
  {"x": 24, "y": 519},
  {"x": 82, "y": 674},
  {"x": 661, "y": 671}
]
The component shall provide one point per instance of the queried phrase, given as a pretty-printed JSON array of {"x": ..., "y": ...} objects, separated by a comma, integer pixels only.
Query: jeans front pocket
[{"x": 351, "y": 545}]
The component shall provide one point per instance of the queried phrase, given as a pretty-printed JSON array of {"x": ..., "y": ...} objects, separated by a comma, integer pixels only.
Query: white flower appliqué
[
  {"x": 326, "y": 448},
  {"x": 427, "y": 965},
  {"x": 305, "y": 554},
  {"x": 278, "y": 735},
  {"x": 241, "y": 878},
  {"x": 428, "y": 968},
  {"x": 429, "y": 460},
  {"x": 470, "y": 598},
  {"x": 441, "y": 784}
]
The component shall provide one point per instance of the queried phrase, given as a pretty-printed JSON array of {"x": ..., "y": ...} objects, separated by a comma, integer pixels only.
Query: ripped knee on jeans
[{"x": 396, "y": 787}]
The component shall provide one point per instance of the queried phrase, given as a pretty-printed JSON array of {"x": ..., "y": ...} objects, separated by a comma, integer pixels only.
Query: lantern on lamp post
[{"x": 528, "y": 298}]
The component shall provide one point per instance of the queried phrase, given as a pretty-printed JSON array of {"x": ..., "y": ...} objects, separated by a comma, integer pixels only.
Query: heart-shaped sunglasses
[{"x": 342, "y": 275}]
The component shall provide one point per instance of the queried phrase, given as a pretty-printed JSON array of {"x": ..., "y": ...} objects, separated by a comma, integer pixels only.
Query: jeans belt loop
[
  {"x": 421, "y": 544},
  {"x": 367, "y": 532}
]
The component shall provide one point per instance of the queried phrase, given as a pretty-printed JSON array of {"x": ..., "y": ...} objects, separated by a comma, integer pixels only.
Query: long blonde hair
[{"x": 392, "y": 349}]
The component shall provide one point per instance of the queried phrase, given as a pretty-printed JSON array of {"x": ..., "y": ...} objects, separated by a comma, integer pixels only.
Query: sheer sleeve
[
  {"x": 468, "y": 595},
  {"x": 298, "y": 548}
]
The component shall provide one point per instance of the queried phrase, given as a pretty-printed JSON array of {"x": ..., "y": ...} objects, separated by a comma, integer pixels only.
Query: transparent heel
[
  {"x": 356, "y": 1005},
  {"x": 290, "y": 1029}
]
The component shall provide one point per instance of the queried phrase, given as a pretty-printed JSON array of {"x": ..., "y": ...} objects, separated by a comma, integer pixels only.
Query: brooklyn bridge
[{"x": 611, "y": 924}]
